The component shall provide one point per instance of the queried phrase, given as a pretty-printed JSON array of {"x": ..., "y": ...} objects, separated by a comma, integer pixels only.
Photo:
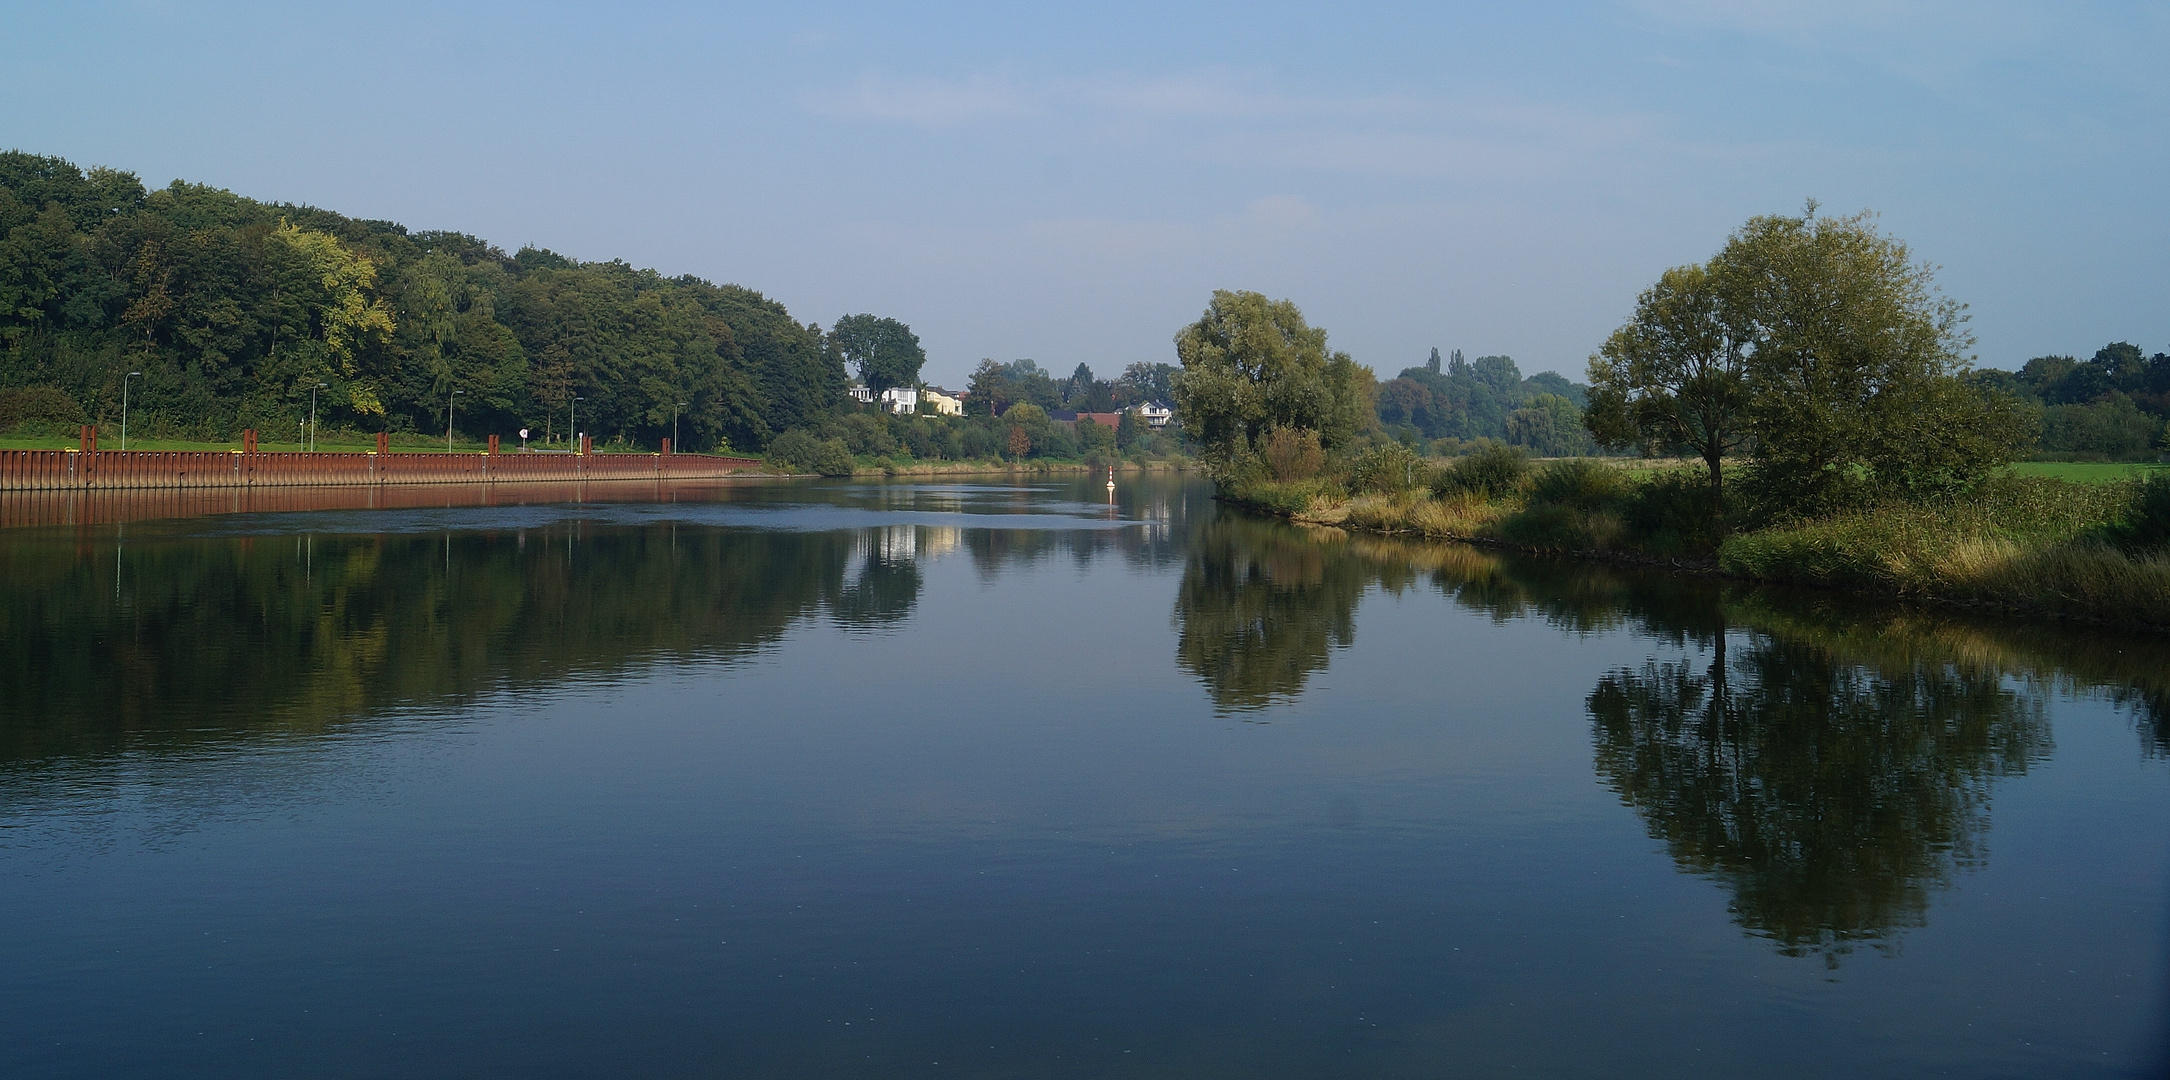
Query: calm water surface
[{"x": 1013, "y": 780}]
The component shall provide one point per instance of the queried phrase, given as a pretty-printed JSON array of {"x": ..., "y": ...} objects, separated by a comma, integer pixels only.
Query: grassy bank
[{"x": 2097, "y": 549}]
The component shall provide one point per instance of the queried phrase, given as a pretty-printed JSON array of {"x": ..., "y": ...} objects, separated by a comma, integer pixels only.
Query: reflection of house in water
[{"x": 901, "y": 544}]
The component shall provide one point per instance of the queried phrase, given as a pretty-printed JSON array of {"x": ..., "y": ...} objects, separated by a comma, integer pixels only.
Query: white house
[
  {"x": 900, "y": 399},
  {"x": 1155, "y": 414}
]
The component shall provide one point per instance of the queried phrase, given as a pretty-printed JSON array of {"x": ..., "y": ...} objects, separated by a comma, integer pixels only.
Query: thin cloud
[{"x": 930, "y": 103}]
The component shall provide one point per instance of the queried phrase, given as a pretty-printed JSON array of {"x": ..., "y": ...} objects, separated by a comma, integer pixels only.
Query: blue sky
[{"x": 1070, "y": 182}]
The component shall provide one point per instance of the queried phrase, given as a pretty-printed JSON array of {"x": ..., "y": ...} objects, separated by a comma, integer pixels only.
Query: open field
[{"x": 2086, "y": 472}]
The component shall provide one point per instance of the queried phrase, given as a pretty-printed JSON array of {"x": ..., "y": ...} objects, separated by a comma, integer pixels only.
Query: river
[{"x": 1023, "y": 777}]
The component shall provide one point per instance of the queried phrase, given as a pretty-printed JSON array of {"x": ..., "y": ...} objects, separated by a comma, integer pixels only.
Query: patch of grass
[
  {"x": 2090, "y": 549},
  {"x": 2030, "y": 543},
  {"x": 106, "y": 442},
  {"x": 2086, "y": 472}
]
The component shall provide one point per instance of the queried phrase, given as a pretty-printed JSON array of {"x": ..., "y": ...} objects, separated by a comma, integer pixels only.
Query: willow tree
[
  {"x": 1853, "y": 364},
  {"x": 1825, "y": 350},
  {"x": 1250, "y": 365},
  {"x": 1674, "y": 378}
]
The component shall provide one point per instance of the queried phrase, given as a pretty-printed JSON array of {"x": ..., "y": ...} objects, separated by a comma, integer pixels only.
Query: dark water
[{"x": 1002, "y": 780}]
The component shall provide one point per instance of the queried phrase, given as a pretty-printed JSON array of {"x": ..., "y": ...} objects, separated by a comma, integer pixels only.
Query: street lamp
[
  {"x": 675, "y": 406},
  {"x": 124, "y": 406},
  {"x": 448, "y": 421},
  {"x": 572, "y": 424},
  {"x": 312, "y": 414}
]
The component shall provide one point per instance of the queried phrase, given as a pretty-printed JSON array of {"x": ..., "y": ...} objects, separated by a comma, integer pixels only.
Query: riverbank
[
  {"x": 2024, "y": 545},
  {"x": 988, "y": 467}
]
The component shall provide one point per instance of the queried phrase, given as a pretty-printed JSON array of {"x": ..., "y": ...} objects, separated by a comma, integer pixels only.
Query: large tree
[
  {"x": 1854, "y": 360},
  {"x": 885, "y": 351},
  {"x": 1250, "y": 364},
  {"x": 1674, "y": 378}
]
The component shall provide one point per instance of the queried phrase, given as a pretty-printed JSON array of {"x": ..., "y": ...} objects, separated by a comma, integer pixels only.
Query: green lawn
[
  {"x": 10, "y": 442},
  {"x": 2084, "y": 472}
]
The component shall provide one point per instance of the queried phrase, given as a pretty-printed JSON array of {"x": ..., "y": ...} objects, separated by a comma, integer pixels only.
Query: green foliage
[
  {"x": 1493, "y": 469},
  {"x": 1485, "y": 398},
  {"x": 1670, "y": 512},
  {"x": 2145, "y": 523},
  {"x": 2110, "y": 428},
  {"x": 794, "y": 451},
  {"x": 2116, "y": 368},
  {"x": 1289, "y": 499},
  {"x": 1145, "y": 383},
  {"x": 1584, "y": 485},
  {"x": 1131, "y": 432},
  {"x": 867, "y": 434},
  {"x": 832, "y": 458},
  {"x": 1250, "y": 364},
  {"x": 1290, "y": 454},
  {"x": 235, "y": 309},
  {"x": 1551, "y": 426},
  {"x": 1386, "y": 469},
  {"x": 1853, "y": 364},
  {"x": 2023, "y": 541},
  {"x": 885, "y": 351},
  {"x": 1094, "y": 438},
  {"x": 1674, "y": 379},
  {"x": 995, "y": 387},
  {"x": 38, "y": 407}
]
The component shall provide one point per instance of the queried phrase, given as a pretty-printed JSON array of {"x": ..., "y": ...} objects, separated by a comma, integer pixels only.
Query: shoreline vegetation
[
  {"x": 2030, "y": 545},
  {"x": 1821, "y": 385},
  {"x": 988, "y": 467}
]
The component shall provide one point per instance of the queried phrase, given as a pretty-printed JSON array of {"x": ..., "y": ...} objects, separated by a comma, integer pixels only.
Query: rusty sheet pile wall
[{"x": 55, "y": 470}]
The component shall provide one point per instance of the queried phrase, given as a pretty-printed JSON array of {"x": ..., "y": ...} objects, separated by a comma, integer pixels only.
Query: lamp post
[
  {"x": 448, "y": 421},
  {"x": 312, "y": 414},
  {"x": 675, "y": 406},
  {"x": 572, "y": 424},
  {"x": 124, "y": 406}
]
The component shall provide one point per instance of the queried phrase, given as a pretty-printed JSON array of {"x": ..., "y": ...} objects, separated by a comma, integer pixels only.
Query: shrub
[
  {"x": 41, "y": 406},
  {"x": 1292, "y": 453},
  {"x": 1583, "y": 485},
  {"x": 1288, "y": 500},
  {"x": 2146, "y": 522},
  {"x": 832, "y": 458},
  {"x": 1670, "y": 513},
  {"x": 1558, "y": 527},
  {"x": 794, "y": 451},
  {"x": 1385, "y": 469},
  {"x": 867, "y": 433},
  {"x": 1493, "y": 469},
  {"x": 979, "y": 442}
]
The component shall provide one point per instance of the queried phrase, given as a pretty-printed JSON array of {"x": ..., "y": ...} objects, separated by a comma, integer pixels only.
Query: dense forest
[{"x": 234, "y": 310}]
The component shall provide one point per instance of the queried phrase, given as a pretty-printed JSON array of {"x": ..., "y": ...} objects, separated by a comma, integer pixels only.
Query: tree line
[
  {"x": 1486, "y": 398},
  {"x": 2112, "y": 406},
  {"x": 234, "y": 310}
]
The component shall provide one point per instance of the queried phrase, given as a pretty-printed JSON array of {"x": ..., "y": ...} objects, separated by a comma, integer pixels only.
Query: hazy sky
[{"x": 1070, "y": 183}]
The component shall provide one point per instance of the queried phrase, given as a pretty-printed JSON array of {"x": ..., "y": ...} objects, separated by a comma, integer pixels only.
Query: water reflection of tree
[
  {"x": 204, "y": 639},
  {"x": 1830, "y": 796},
  {"x": 1260, "y": 607}
]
